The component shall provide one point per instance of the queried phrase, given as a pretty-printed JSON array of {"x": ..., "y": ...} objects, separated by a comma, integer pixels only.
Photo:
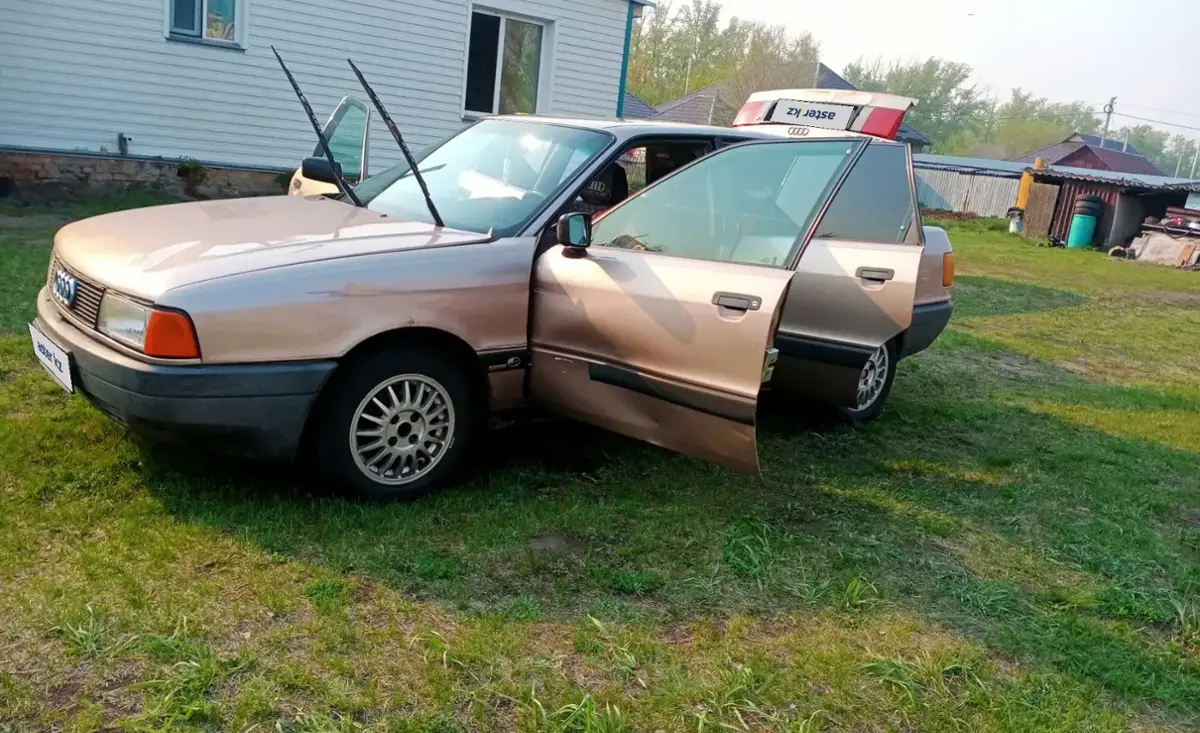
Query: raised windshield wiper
[
  {"x": 391, "y": 126},
  {"x": 337, "y": 172}
]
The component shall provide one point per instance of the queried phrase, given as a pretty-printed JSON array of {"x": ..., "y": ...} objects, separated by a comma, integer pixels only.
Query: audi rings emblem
[{"x": 64, "y": 287}]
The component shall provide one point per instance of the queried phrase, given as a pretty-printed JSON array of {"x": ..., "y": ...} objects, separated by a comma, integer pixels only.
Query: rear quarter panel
[{"x": 929, "y": 274}]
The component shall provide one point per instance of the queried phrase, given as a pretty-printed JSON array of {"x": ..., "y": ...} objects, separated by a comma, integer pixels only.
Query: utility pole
[
  {"x": 1179, "y": 163},
  {"x": 1125, "y": 147},
  {"x": 1195, "y": 155},
  {"x": 1108, "y": 113}
]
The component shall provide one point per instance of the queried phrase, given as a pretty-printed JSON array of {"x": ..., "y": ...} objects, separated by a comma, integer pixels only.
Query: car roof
[{"x": 632, "y": 128}]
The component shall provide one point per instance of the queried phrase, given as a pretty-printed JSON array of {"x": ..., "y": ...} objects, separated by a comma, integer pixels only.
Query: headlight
[
  {"x": 166, "y": 334},
  {"x": 123, "y": 320}
]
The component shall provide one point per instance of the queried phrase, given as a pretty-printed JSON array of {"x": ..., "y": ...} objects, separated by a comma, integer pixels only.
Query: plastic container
[{"x": 1083, "y": 229}]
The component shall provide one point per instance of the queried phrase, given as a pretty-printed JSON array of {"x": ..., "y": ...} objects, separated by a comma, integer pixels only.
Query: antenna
[
  {"x": 391, "y": 126},
  {"x": 337, "y": 172}
]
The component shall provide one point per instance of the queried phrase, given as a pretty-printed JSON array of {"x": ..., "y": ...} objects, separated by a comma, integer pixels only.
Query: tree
[{"x": 948, "y": 103}]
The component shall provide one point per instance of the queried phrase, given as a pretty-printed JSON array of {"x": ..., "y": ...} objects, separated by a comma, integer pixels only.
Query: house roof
[
  {"x": 1109, "y": 143},
  {"x": 1052, "y": 153},
  {"x": 1127, "y": 162},
  {"x": 697, "y": 107},
  {"x": 636, "y": 109},
  {"x": 1124, "y": 162},
  {"x": 694, "y": 108},
  {"x": 1012, "y": 168}
]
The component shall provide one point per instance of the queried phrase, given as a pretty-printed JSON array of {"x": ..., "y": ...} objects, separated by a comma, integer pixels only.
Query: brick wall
[{"x": 42, "y": 175}]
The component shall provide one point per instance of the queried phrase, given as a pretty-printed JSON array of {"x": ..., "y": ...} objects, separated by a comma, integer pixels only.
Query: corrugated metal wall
[
  {"x": 965, "y": 192},
  {"x": 1064, "y": 210}
]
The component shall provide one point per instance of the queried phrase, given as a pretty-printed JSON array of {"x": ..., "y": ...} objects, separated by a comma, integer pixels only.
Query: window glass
[
  {"x": 220, "y": 21},
  {"x": 492, "y": 175},
  {"x": 481, "y": 63},
  {"x": 185, "y": 17},
  {"x": 749, "y": 204},
  {"x": 522, "y": 62},
  {"x": 874, "y": 204},
  {"x": 347, "y": 136}
]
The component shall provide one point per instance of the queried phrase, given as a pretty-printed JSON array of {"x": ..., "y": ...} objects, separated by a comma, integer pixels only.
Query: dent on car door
[
  {"x": 663, "y": 329},
  {"x": 348, "y": 132},
  {"x": 855, "y": 279}
]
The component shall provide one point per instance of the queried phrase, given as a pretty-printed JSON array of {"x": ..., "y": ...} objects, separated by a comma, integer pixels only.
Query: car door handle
[
  {"x": 875, "y": 274},
  {"x": 737, "y": 301}
]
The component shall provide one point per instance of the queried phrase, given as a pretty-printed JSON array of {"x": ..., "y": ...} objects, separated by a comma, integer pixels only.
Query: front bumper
[{"x": 257, "y": 410}]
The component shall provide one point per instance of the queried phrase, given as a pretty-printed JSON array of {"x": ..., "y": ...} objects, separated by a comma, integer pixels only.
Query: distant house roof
[
  {"x": 1110, "y": 154},
  {"x": 1109, "y": 143},
  {"x": 696, "y": 108},
  {"x": 636, "y": 109},
  {"x": 704, "y": 106},
  {"x": 1013, "y": 168}
]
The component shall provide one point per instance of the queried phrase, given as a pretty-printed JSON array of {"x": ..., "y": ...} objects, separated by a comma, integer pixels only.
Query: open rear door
[
  {"x": 663, "y": 328},
  {"x": 348, "y": 132}
]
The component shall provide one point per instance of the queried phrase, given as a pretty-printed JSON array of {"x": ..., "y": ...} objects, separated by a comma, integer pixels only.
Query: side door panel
[{"x": 637, "y": 343}]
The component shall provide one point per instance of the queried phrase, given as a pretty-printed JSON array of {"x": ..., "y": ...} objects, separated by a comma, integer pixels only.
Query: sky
[{"x": 1144, "y": 52}]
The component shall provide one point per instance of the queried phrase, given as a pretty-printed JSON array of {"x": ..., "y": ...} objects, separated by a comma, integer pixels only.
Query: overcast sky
[{"x": 1144, "y": 52}]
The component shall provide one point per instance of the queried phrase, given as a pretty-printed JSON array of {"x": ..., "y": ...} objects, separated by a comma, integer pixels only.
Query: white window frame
[
  {"x": 240, "y": 25},
  {"x": 497, "y": 9}
]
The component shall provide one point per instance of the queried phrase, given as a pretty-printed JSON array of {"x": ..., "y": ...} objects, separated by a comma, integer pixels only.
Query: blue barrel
[{"x": 1083, "y": 228}]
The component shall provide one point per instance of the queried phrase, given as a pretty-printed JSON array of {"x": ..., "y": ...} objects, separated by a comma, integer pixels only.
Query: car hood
[{"x": 146, "y": 252}]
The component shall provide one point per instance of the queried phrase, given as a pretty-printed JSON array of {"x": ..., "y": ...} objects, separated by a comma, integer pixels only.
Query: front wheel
[
  {"x": 874, "y": 385},
  {"x": 397, "y": 423}
]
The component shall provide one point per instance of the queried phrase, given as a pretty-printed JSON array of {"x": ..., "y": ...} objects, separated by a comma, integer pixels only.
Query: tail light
[
  {"x": 948, "y": 269},
  {"x": 750, "y": 113}
]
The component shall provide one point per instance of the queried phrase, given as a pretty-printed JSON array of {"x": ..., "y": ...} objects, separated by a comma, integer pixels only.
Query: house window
[
  {"x": 504, "y": 63},
  {"x": 214, "y": 20}
]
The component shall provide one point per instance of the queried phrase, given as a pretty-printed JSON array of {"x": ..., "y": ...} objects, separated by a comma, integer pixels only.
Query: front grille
[{"x": 86, "y": 306}]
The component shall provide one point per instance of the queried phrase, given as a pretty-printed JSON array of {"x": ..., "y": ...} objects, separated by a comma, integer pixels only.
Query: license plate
[
  {"x": 52, "y": 357},
  {"x": 828, "y": 116}
]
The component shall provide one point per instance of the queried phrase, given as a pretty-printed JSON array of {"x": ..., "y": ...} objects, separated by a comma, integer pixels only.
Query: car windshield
[{"x": 492, "y": 175}]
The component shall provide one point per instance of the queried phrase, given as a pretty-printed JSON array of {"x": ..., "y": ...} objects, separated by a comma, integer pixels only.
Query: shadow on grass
[
  {"x": 989, "y": 296},
  {"x": 1058, "y": 543}
]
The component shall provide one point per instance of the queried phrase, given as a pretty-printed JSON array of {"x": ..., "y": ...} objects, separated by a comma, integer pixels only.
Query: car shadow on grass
[
  {"x": 978, "y": 295},
  {"x": 1063, "y": 544}
]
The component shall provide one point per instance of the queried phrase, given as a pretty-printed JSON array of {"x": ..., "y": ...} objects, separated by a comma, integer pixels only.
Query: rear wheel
[
  {"x": 397, "y": 423},
  {"x": 874, "y": 385}
]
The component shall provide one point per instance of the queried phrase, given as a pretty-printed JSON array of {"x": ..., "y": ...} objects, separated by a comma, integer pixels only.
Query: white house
[{"x": 138, "y": 79}]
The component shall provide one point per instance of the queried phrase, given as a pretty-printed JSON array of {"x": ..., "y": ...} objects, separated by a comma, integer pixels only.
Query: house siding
[{"x": 75, "y": 73}]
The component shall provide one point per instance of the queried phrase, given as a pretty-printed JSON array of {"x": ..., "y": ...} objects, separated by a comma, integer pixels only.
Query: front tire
[
  {"x": 397, "y": 423},
  {"x": 874, "y": 385}
]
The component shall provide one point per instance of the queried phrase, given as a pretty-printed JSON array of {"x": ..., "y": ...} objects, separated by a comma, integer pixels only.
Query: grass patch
[{"x": 1014, "y": 546}]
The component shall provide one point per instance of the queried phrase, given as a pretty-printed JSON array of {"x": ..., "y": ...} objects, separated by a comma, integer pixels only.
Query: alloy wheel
[
  {"x": 873, "y": 378},
  {"x": 402, "y": 429}
]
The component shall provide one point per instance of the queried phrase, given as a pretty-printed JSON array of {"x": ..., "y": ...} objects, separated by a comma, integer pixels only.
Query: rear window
[{"x": 875, "y": 203}]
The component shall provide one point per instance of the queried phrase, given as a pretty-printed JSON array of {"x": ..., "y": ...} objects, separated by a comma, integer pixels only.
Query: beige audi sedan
[{"x": 645, "y": 278}]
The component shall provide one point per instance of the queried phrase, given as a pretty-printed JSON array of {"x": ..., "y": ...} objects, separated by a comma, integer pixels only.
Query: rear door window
[{"x": 875, "y": 203}]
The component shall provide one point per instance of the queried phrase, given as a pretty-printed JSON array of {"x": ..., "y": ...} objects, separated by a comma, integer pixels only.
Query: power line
[
  {"x": 1160, "y": 109},
  {"x": 1157, "y": 122}
]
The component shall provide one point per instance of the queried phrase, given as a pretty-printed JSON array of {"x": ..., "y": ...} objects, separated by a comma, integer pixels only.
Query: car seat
[{"x": 609, "y": 188}]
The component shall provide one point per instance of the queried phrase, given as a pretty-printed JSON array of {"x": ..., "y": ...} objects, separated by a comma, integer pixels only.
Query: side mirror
[
  {"x": 317, "y": 169},
  {"x": 575, "y": 232}
]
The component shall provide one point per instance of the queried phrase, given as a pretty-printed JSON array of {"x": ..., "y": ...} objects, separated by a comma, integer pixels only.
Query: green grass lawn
[{"x": 1014, "y": 546}]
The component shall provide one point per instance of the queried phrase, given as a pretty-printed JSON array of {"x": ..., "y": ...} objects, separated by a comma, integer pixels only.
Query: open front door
[
  {"x": 348, "y": 132},
  {"x": 663, "y": 328}
]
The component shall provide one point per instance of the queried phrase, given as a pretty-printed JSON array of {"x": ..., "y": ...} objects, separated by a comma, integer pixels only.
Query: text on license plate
[{"x": 52, "y": 357}]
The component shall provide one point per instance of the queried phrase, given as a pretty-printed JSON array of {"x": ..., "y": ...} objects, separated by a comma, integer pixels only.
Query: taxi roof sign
[{"x": 867, "y": 113}]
